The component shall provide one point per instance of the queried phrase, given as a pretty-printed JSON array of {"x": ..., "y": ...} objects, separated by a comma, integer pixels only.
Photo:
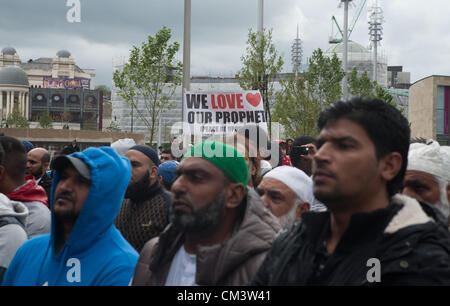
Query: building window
[
  {"x": 442, "y": 110},
  {"x": 57, "y": 99}
]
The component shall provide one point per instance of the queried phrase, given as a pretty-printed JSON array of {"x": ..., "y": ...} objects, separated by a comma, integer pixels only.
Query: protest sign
[{"x": 213, "y": 113}]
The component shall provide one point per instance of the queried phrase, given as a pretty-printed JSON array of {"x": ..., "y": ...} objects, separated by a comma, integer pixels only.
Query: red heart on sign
[{"x": 253, "y": 99}]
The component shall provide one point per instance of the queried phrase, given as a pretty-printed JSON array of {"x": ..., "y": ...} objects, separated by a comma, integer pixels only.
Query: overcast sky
[{"x": 416, "y": 33}]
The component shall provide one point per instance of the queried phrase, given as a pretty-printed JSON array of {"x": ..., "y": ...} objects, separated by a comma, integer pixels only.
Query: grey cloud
[{"x": 414, "y": 34}]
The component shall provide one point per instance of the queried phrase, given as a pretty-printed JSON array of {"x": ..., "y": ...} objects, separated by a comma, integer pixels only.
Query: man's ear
[
  {"x": 301, "y": 208},
  {"x": 448, "y": 192},
  {"x": 234, "y": 195},
  {"x": 45, "y": 165},
  {"x": 253, "y": 169},
  {"x": 154, "y": 172},
  {"x": 390, "y": 165},
  {"x": 5, "y": 185},
  {"x": 2, "y": 173}
]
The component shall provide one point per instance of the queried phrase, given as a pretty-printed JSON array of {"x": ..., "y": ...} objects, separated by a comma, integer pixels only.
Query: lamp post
[
  {"x": 186, "y": 52},
  {"x": 345, "y": 55}
]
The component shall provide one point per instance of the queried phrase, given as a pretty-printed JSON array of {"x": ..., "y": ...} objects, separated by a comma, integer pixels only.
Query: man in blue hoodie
[{"x": 84, "y": 247}]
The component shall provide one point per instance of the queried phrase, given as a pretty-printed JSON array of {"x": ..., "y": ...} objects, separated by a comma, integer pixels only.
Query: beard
[
  {"x": 443, "y": 204},
  {"x": 66, "y": 214},
  {"x": 37, "y": 174},
  {"x": 288, "y": 220},
  {"x": 202, "y": 219},
  {"x": 135, "y": 190}
]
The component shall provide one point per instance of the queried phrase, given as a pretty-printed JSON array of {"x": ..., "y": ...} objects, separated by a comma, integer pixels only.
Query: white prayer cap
[
  {"x": 265, "y": 167},
  {"x": 430, "y": 158},
  {"x": 121, "y": 146},
  {"x": 295, "y": 179}
]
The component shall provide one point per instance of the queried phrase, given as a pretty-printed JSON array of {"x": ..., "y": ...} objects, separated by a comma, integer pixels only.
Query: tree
[
  {"x": 363, "y": 86},
  {"x": 303, "y": 97},
  {"x": 360, "y": 86},
  {"x": 324, "y": 78},
  {"x": 296, "y": 109},
  {"x": 45, "y": 121},
  {"x": 15, "y": 119},
  {"x": 260, "y": 65},
  {"x": 150, "y": 78}
]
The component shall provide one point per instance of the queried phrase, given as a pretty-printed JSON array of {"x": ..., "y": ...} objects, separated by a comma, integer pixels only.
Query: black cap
[
  {"x": 62, "y": 161},
  {"x": 149, "y": 152}
]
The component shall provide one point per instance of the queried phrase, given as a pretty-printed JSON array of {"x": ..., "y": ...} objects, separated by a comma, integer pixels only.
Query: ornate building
[{"x": 54, "y": 85}]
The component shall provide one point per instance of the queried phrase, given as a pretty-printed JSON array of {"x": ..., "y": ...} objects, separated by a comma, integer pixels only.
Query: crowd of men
[{"x": 360, "y": 193}]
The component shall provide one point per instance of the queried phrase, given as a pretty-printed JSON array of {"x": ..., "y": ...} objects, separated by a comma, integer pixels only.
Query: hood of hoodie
[
  {"x": 110, "y": 175},
  {"x": 29, "y": 192},
  {"x": 15, "y": 209}
]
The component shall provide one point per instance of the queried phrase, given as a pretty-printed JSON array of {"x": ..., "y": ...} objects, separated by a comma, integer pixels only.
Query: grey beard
[
  {"x": 202, "y": 219},
  {"x": 288, "y": 220}
]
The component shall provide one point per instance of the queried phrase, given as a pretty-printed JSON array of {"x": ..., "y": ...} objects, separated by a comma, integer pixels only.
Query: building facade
[
  {"x": 56, "y": 86},
  {"x": 360, "y": 58},
  {"x": 429, "y": 100},
  {"x": 127, "y": 120}
]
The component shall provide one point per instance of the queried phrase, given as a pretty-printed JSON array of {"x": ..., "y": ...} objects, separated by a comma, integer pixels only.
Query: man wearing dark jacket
[
  {"x": 144, "y": 211},
  {"x": 369, "y": 235},
  {"x": 37, "y": 165},
  {"x": 220, "y": 231}
]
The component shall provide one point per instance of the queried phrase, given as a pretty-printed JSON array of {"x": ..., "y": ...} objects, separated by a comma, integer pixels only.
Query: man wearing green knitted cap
[{"x": 220, "y": 230}]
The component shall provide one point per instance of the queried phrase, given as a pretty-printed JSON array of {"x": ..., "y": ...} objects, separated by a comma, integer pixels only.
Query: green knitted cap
[{"x": 225, "y": 157}]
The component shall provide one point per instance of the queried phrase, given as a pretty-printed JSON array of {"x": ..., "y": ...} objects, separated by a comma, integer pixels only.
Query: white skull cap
[
  {"x": 430, "y": 158},
  {"x": 295, "y": 179}
]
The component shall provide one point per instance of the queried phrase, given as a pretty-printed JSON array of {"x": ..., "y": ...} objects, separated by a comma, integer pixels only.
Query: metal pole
[
  {"x": 260, "y": 15},
  {"x": 186, "y": 52},
  {"x": 159, "y": 131},
  {"x": 344, "y": 56},
  {"x": 375, "y": 43}
]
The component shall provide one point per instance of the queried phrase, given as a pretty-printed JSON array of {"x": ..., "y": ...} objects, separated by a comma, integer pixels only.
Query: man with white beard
[
  {"x": 427, "y": 177},
  {"x": 287, "y": 192}
]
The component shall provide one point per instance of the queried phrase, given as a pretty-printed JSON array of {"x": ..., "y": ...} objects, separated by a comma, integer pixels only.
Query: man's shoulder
[
  {"x": 114, "y": 245},
  {"x": 148, "y": 249},
  {"x": 417, "y": 233}
]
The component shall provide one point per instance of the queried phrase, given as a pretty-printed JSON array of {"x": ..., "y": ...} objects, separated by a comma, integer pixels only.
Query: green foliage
[
  {"x": 45, "y": 121},
  {"x": 360, "y": 86},
  {"x": 15, "y": 119},
  {"x": 324, "y": 78},
  {"x": 260, "y": 65},
  {"x": 296, "y": 110},
  {"x": 304, "y": 96},
  {"x": 150, "y": 78},
  {"x": 364, "y": 87}
]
